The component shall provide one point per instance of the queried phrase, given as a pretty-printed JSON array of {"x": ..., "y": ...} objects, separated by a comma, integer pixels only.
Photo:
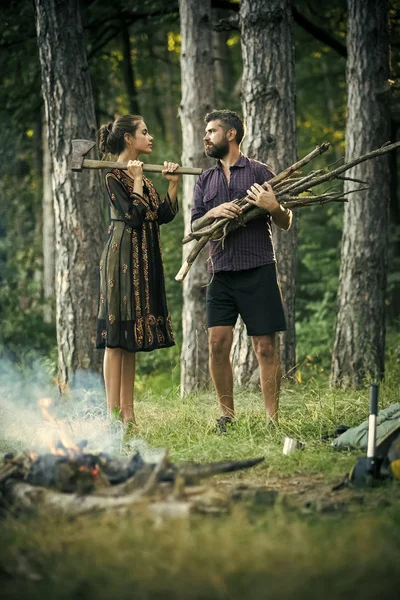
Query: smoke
[{"x": 80, "y": 413}]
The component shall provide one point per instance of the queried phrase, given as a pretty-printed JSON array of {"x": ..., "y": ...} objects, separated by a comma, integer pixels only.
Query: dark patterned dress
[{"x": 133, "y": 313}]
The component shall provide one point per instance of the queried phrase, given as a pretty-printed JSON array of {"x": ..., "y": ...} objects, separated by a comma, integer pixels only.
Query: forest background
[
  {"x": 313, "y": 542},
  {"x": 134, "y": 63}
]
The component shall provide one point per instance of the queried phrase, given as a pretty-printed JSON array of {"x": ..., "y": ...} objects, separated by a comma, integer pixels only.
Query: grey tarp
[{"x": 388, "y": 421}]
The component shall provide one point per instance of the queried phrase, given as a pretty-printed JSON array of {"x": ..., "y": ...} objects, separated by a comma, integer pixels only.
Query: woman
[{"x": 133, "y": 314}]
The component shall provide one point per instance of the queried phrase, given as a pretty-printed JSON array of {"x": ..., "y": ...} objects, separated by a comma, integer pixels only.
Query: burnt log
[
  {"x": 98, "y": 483},
  {"x": 192, "y": 473},
  {"x": 81, "y": 483}
]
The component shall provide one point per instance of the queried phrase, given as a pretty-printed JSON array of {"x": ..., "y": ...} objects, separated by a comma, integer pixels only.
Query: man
[{"x": 243, "y": 273}]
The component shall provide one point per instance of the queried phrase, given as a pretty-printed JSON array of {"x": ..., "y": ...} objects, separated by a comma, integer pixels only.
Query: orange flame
[{"x": 70, "y": 447}]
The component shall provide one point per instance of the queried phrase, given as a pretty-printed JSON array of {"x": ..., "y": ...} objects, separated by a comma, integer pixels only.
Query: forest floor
[{"x": 309, "y": 542}]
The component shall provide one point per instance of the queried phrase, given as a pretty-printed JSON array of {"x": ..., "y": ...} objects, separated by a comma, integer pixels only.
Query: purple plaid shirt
[{"x": 249, "y": 246}]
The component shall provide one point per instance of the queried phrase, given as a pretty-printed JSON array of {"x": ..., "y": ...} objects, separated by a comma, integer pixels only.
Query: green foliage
[
  {"x": 321, "y": 107},
  {"x": 21, "y": 301},
  {"x": 21, "y": 298},
  {"x": 321, "y": 80},
  {"x": 318, "y": 271}
]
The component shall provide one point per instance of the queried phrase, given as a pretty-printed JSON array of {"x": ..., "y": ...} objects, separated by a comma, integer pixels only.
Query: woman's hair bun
[{"x": 104, "y": 134}]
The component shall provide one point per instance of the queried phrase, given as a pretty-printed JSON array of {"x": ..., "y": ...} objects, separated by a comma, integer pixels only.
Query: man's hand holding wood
[
  {"x": 227, "y": 210},
  {"x": 266, "y": 199}
]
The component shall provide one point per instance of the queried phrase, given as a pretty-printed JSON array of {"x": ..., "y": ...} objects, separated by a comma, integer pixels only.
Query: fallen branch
[
  {"x": 356, "y": 161},
  {"x": 155, "y": 500},
  {"x": 162, "y": 489},
  {"x": 185, "y": 268},
  {"x": 200, "y": 223},
  {"x": 206, "y": 228}
]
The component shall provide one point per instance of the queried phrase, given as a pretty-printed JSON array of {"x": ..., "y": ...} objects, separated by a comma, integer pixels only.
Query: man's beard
[{"x": 218, "y": 150}]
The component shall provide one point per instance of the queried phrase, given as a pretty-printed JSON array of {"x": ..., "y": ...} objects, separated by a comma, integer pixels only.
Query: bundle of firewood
[{"x": 292, "y": 190}]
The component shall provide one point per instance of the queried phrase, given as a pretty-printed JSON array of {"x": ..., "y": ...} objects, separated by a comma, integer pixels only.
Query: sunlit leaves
[
  {"x": 174, "y": 42},
  {"x": 233, "y": 39}
]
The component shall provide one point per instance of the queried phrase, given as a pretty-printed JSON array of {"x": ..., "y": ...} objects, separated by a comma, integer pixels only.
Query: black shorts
[{"x": 254, "y": 294}]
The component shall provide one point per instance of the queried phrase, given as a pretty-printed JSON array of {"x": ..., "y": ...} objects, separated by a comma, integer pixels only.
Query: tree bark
[
  {"x": 155, "y": 91},
  {"x": 223, "y": 65},
  {"x": 197, "y": 100},
  {"x": 127, "y": 69},
  {"x": 243, "y": 359},
  {"x": 359, "y": 345},
  {"x": 79, "y": 226},
  {"x": 393, "y": 301},
  {"x": 48, "y": 231},
  {"x": 268, "y": 92}
]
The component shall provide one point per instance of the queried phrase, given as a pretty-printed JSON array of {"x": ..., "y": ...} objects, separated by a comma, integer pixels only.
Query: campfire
[
  {"x": 72, "y": 479},
  {"x": 77, "y": 481}
]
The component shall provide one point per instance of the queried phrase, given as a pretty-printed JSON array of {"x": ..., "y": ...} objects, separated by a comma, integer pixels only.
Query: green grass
[
  {"x": 307, "y": 412},
  {"x": 280, "y": 552},
  {"x": 277, "y": 556}
]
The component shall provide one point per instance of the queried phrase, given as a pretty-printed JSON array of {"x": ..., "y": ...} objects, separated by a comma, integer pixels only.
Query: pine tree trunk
[
  {"x": 393, "y": 299},
  {"x": 155, "y": 90},
  {"x": 268, "y": 92},
  {"x": 48, "y": 231},
  {"x": 127, "y": 69},
  {"x": 223, "y": 64},
  {"x": 77, "y": 196},
  {"x": 359, "y": 346},
  {"x": 197, "y": 100}
]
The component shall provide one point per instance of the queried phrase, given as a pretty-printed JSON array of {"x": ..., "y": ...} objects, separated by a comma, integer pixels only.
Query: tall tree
[
  {"x": 197, "y": 100},
  {"x": 78, "y": 211},
  {"x": 268, "y": 100},
  {"x": 360, "y": 328},
  {"x": 48, "y": 230},
  {"x": 127, "y": 69},
  {"x": 223, "y": 66}
]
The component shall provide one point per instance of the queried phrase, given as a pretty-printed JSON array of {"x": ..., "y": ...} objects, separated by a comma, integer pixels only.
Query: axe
[{"x": 81, "y": 147}]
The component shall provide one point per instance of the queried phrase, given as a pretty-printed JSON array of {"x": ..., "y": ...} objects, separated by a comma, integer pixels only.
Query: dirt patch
[{"x": 312, "y": 493}]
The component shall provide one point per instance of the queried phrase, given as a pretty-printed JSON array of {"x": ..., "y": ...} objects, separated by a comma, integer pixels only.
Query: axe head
[{"x": 79, "y": 150}]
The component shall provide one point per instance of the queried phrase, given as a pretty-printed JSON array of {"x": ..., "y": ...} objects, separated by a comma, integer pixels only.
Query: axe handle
[
  {"x": 373, "y": 413},
  {"x": 107, "y": 164}
]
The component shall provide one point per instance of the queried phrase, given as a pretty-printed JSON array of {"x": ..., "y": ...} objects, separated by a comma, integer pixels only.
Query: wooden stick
[
  {"x": 299, "y": 164},
  {"x": 221, "y": 223},
  {"x": 184, "y": 270},
  {"x": 347, "y": 166},
  {"x": 224, "y": 226},
  {"x": 205, "y": 220},
  {"x": 293, "y": 186},
  {"x": 294, "y": 202}
]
